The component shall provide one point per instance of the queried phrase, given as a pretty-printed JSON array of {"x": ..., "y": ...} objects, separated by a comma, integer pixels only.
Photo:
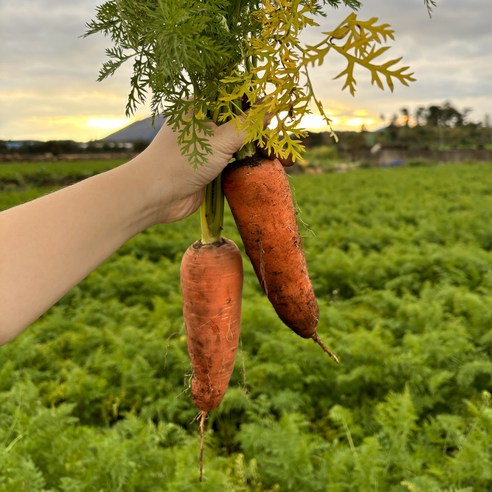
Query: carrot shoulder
[{"x": 260, "y": 198}]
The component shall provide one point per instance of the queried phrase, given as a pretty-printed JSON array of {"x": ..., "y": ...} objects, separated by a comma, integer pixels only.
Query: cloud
[
  {"x": 48, "y": 72},
  {"x": 449, "y": 54}
]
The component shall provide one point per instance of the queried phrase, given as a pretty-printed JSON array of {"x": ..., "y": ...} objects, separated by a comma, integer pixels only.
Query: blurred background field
[{"x": 95, "y": 395}]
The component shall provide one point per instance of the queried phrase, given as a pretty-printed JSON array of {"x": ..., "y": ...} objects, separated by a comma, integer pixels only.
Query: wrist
[
  {"x": 153, "y": 196},
  {"x": 142, "y": 203}
]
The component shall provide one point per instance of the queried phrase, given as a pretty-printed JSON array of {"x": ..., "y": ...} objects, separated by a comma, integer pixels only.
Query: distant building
[{"x": 19, "y": 144}]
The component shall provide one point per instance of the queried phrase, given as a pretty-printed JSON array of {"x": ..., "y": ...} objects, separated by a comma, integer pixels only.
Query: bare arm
[{"x": 50, "y": 244}]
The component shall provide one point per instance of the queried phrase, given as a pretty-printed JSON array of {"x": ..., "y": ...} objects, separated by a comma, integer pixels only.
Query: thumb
[{"x": 231, "y": 135}]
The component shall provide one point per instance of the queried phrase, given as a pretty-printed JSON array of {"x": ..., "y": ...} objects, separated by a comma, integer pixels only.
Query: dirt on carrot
[
  {"x": 211, "y": 287},
  {"x": 260, "y": 198}
]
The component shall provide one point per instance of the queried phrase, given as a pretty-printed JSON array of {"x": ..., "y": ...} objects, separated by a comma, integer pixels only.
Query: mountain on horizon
[{"x": 140, "y": 131}]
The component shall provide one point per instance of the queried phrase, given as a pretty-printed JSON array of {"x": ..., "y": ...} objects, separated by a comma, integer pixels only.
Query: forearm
[{"x": 49, "y": 245}]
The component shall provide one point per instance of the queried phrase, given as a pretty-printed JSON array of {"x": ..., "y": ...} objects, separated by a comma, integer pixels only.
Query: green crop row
[
  {"x": 41, "y": 174},
  {"x": 95, "y": 395}
]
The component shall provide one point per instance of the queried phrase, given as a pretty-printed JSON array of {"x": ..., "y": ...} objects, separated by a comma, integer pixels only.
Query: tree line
[
  {"x": 445, "y": 115},
  {"x": 434, "y": 127},
  {"x": 427, "y": 127}
]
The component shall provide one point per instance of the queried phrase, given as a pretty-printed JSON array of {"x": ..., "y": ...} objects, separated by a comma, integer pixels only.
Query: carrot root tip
[
  {"x": 320, "y": 342},
  {"x": 203, "y": 417}
]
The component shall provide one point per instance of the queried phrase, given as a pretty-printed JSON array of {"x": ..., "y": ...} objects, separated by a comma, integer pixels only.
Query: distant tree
[
  {"x": 406, "y": 116},
  {"x": 433, "y": 116},
  {"x": 419, "y": 115},
  {"x": 445, "y": 115}
]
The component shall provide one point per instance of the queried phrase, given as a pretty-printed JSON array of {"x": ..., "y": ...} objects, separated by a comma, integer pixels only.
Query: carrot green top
[{"x": 196, "y": 59}]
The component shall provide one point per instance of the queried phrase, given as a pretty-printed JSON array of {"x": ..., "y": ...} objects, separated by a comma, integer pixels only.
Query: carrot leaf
[{"x": 231, "y": 55}]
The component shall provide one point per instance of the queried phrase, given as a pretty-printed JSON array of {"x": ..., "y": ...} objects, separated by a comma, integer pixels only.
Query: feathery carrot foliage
[
  {"x": 94, "y": 395},
  {"x": 198, "y": 59}
]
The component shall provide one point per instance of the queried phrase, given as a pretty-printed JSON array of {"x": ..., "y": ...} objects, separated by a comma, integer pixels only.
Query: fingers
[{"x": 230, "y": 135}]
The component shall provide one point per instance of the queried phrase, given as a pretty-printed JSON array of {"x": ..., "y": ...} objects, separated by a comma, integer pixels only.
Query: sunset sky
[{"x": 48, "y": 73}]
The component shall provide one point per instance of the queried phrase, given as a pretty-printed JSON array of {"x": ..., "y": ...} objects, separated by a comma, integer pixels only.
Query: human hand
[{"x": 171, "y": 183}]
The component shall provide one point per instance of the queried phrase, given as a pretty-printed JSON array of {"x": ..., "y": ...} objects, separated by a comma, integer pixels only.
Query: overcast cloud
[{"x": 48, "y": 73}]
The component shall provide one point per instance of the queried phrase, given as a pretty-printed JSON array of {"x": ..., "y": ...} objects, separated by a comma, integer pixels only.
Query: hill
[{"x": 140, "y": 131}]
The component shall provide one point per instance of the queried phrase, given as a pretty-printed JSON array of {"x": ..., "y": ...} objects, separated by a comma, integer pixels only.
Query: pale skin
[{"x": 50, "y": 244}]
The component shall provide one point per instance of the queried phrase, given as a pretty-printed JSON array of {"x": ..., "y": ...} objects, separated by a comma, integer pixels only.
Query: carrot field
[{"x": 95, "y": 396}]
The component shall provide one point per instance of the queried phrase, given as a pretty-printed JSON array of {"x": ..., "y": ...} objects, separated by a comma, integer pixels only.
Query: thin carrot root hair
[
  {"x": 203, "y": 417},
  {"x": 316, "y": 338}
]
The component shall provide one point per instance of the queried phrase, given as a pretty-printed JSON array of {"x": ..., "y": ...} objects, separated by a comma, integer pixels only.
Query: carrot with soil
[
  {"x": 259, "y": 195},
  {"x": 211, "y": 285},
  {"x": 211, "y": 288}
]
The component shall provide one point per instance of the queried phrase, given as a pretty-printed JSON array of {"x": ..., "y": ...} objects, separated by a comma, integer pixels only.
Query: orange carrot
[
  {"x": 259, "y": 195},
  {"x": 211, "y": 287}
]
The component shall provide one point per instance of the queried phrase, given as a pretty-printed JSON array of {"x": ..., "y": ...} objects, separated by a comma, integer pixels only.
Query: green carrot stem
[
  {"x": 248, "y": 150},
  {"x": 212, "y": 212},
  {"x": 212, "y": 207}
]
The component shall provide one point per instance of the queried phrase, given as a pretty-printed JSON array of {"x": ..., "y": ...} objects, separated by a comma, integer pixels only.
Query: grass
[{"x": 34, "y": 174}]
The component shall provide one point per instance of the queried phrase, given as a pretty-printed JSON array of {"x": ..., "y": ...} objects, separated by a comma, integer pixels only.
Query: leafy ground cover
[
  {"x": 95, "y": 395},
  {"x": 34, "y": 174}
]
